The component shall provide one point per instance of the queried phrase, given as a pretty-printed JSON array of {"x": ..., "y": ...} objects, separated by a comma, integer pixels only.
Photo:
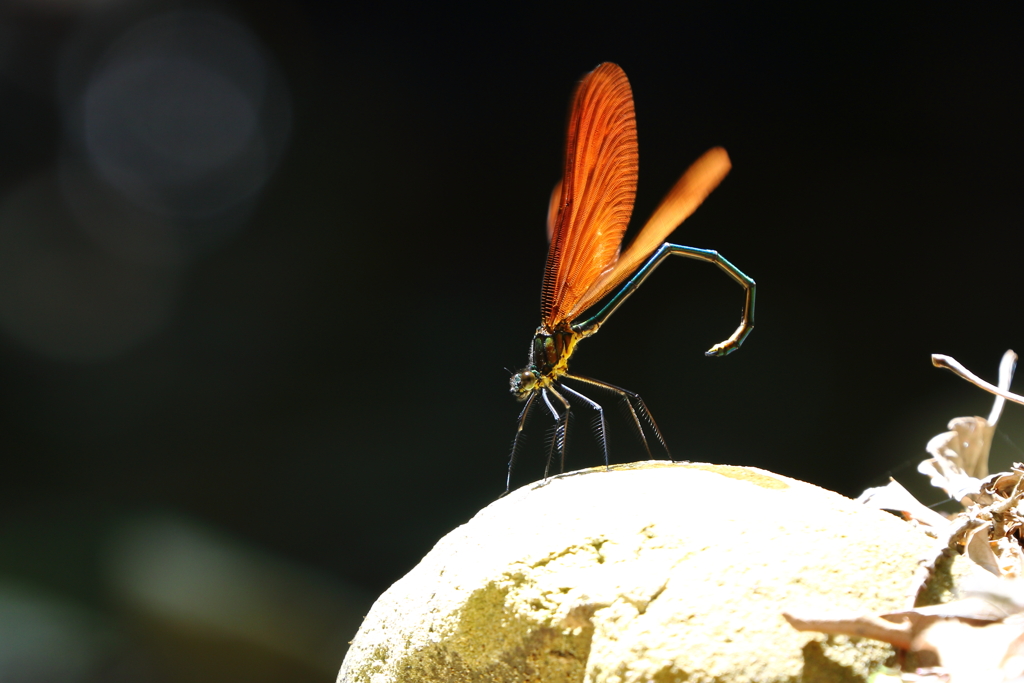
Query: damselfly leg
[
  {"x": 561, "y": 428},
  {"x": 637, "y": 409}
]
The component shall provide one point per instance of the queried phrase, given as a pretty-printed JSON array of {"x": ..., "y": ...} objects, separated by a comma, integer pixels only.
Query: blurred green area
[{"x": 93, "y": 596}]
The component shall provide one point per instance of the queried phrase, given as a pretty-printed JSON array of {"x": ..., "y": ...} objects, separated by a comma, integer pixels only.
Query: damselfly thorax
[{"x": 549, "y": 360}]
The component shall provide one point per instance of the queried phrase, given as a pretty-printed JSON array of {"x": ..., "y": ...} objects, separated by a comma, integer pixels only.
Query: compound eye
[{"x": 523, "y": 382}]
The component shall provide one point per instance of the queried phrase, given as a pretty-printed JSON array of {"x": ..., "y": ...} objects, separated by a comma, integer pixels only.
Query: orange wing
[
  {"x": 597, "y": 192},
  {"x": 554, "y": 204},
  {"x": 682, "y": 200}
]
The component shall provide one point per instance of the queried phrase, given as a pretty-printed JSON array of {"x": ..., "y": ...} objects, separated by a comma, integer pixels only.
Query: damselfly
[{"x": 587, "y": 217}]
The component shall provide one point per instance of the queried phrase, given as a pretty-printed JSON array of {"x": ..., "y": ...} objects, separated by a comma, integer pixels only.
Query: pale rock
[{"x": 652, "y": 572}]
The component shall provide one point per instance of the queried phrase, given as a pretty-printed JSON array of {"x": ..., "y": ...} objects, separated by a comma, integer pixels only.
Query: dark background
[{"x": 308, "y": 387}]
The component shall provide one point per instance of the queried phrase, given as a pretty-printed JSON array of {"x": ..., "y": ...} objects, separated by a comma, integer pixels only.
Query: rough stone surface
[{"x": 655, "y": 572}]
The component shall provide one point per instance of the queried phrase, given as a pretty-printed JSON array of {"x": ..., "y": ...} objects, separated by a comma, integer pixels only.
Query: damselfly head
[{"x": 523, "y": 383}]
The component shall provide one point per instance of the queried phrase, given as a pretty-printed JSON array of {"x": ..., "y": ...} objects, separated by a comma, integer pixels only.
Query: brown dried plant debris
[{"x": 978, "y": 638}]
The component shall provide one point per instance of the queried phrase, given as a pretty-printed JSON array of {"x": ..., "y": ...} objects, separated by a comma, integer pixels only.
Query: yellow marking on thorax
[{"x": 560, "y": 366}]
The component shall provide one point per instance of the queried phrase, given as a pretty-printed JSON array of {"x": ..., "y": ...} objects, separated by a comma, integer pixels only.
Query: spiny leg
[
  {"x": 515, "y": 440},
  {"x": 629, "y": 397},
  {"x": 645, "y": 413},
  {"x": 624, "y": 395},
  {"x": 602, "y": 426},
  {"x": 561, "y": 425},
  {"x": 664, "y": 251}
]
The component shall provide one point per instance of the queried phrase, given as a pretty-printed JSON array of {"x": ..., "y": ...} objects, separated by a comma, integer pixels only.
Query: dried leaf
[
  {"x": 974, "y": 640},
  {"x": 980, "y": 551},
  {"x": 1011, "y": 559},
  {"x": 959, "y": 457},
  {"x": 1005, "y": 484},
  {"x": 978, "y": 638},
  {"x": 1013, "y": 661},
  {"x": 977, "y": 609},
  {"x": 1004, "y": 595},
  {"x": 898, "y": 633},
  {"x": 974, "y": 654},
  {"x": 893, "y": 496}
]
